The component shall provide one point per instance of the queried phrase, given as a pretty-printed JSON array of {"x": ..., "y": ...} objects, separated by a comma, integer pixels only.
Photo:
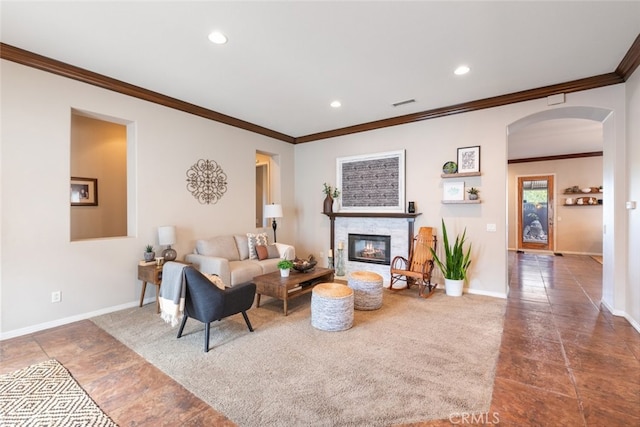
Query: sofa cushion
[
  {"x": 221, "y": 246},
  {"x": 256, "y": 239},
  {"x": 242, "y": 242},
  {"x": 244, "y": 271}
]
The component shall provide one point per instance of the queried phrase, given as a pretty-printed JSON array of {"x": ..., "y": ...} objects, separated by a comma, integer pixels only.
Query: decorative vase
[
  {"x": 328, "y": 204},
  {"x": 336, "y": 205},
  {"x": 149, "y": 256},
  {"x": 453, "y": 288},
  {"x": 473, "y": 197},
  {"x": 412, "y": 207},
  {"x": 284, "y": 272}
]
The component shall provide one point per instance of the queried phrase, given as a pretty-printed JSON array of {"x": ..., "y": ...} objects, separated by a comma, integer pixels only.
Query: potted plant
[
  {"x": 456, "y": 262},
  {"x": 335, "y": 194},
  {"x": 473, "y": 193},
  {"x": 149, "y": 254},
  {"x": 285, "y": 265}
]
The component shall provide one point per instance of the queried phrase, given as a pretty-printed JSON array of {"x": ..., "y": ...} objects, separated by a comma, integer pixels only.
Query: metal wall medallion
[{"x": 206, "y": 181}]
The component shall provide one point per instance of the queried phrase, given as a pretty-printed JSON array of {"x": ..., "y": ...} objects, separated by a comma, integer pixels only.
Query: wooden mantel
[{"x": 411, "y": 219}]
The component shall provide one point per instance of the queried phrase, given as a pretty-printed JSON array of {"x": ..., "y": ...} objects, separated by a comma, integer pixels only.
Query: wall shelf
[
  {"x": 459, "y": 175},
  {"x": 461, "y": 202}
]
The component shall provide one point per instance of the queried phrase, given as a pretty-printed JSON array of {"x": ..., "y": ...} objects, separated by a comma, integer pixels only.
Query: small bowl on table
[{"x": 303, "y": 265}]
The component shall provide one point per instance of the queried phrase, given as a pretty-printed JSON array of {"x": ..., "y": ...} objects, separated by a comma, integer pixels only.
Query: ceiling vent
[{"x": 408, "y": 101}]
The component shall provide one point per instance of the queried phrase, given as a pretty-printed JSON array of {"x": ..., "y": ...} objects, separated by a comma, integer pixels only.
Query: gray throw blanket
[{"x": 172, "y": 292}]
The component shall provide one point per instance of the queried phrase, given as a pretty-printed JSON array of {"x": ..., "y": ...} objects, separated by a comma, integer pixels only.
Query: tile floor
[{"x": 564, "y": 359}]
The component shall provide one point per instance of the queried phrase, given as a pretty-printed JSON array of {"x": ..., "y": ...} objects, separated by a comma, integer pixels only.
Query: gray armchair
[{"x": 206, "y": 302}]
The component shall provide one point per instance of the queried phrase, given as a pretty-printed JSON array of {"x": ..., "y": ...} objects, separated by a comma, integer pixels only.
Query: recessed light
[
  {"x": 217, "y": 37},
  {"x": 463, "y": 69},
  {"x": 336, "y": 104}
]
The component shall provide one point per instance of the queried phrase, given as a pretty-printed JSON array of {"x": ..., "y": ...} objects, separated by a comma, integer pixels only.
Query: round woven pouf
[
  {"x": 332, "y": 307},
  {"x": 367, "y": 290}
]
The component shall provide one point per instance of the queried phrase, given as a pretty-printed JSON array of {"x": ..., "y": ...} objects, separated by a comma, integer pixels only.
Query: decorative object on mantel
[
  {"x": 327, "y": 206},
  {"x": 450, "y": 167},
  {"x": 206, "y": 181},
  {"x": 469, "y": 159},
  {"x": 412, "y": 207},
  {"x": 473, "y": 193},
  {"x": 372, "y": 182}
]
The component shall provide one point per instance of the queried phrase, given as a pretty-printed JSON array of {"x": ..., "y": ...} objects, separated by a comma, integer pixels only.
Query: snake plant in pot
[{"x": 456, "y": 262}]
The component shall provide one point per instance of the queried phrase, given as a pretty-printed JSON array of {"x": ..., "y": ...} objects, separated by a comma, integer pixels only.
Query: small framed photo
[
  {"x": 84, "y": 191},
  {"x": 469, "y": 159},
  {"x": 453, "y": 190}
]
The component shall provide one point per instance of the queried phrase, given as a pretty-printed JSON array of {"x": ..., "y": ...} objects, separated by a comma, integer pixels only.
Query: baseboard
[
  {"x": 501, "y": 295},
  {"x": 621, "y": 313},
  {"x": 59, "y": 322}
]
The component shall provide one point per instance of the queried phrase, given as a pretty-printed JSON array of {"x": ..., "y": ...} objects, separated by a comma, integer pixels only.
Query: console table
[{"x": 411, "y": 219}]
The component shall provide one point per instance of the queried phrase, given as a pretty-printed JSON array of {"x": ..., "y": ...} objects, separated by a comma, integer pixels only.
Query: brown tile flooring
[{"x": 564, "y": 359}]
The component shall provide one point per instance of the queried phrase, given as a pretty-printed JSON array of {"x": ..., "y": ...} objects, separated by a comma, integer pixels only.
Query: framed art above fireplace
[{"x": 372, "y": 182}]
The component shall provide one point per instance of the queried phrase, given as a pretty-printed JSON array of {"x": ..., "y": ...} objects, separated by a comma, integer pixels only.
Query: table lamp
[
  {"x": 167, "y": 236},
  {"x": 273, "y": 211}
]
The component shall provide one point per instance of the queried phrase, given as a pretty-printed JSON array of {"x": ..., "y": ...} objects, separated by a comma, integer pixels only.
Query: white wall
[
  {"x": 99, "y": 275},
  {"x": 94, "y": 275},
  {"x": 429, "y": 144},
  {"x": 632, "y": 297}
]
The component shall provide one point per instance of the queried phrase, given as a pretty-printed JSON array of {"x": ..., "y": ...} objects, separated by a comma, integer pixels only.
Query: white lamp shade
[
  {"x": 166, "y": 235},
  {"x": 273, "y": 211}
]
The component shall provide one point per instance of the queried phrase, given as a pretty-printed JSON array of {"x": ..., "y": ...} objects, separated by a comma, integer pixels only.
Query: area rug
[
  {"x": 46, "y": 394},
  {"x": 412, "y": 360}
]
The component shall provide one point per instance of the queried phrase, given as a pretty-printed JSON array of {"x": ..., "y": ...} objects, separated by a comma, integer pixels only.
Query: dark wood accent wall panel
[
  {"x": 14, "y": 54},
  {"x": 558, "y": 157}
]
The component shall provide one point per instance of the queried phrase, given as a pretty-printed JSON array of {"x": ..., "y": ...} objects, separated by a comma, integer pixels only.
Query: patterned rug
[{"x": 46, "y": 394}]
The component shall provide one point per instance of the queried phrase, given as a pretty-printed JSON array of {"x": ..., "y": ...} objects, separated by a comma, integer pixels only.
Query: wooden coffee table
[{"x": 285, "y": 288}]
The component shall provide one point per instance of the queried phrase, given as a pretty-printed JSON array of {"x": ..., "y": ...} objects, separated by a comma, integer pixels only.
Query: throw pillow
[
  {"x": 262, "y": 252},
  {"x": 255, "y": 240},
  {"x": 216, "y": 280},
  {"x": 273, "y": 251}
]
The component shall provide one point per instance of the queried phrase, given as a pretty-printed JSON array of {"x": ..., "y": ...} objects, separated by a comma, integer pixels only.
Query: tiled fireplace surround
[{"x": 397, "y": 228}]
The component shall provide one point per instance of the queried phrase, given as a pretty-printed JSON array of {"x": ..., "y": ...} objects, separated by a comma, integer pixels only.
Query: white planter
[
  {"x": 453, "y": 288},
  {"x": 284, "y": 272}
]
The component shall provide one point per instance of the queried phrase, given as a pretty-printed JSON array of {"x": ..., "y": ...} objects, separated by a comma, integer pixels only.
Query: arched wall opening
[{"x": 614, "y": 248}]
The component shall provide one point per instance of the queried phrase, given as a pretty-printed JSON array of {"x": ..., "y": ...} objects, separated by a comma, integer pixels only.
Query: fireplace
[{"x": 371, "y": 248}]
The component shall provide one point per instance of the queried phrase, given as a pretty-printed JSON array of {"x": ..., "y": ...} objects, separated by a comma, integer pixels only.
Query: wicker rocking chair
[{"x": 418, "y": 268}]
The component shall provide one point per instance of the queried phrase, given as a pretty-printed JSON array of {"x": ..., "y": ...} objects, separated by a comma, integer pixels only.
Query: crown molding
[
  {"x": 496, "y": 101},
  {"x": 558, "y": 157},
  {"x": 627, "y": 66},
  {"x": 30, "y": 59},
  {"x": 631, "y": 60}
]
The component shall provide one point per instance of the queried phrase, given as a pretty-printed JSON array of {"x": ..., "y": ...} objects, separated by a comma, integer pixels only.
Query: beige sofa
[{"x": 229, "y": 257}]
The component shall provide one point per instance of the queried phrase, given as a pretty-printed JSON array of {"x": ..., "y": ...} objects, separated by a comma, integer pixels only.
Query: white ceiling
[{"x": 286, "y": 61}]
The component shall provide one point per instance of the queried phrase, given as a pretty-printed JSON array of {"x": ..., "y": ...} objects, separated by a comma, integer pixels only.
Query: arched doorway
[{"x": 613, "y": 249}]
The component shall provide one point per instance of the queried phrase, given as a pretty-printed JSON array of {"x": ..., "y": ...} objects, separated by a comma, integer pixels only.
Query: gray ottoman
[
  {"x": 367, "y": 290},
  {"x": 332, "y": 307}
]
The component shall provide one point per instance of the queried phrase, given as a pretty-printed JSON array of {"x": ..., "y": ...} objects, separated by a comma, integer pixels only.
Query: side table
[{"x": 150, "y": 274}]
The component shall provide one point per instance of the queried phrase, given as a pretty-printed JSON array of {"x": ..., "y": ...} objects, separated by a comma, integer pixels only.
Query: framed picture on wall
[
  {"x": 84, "y": 191},
  {"x": 453, "y": 190},
  {"x": 372, "y": 182},
  {"x": 469, "y": 159}
]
